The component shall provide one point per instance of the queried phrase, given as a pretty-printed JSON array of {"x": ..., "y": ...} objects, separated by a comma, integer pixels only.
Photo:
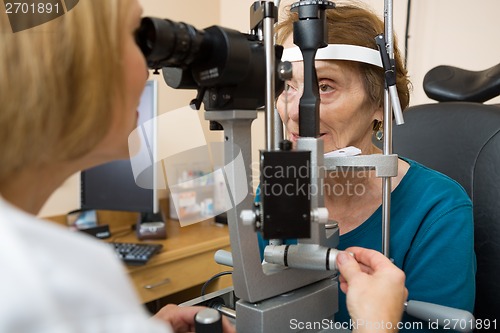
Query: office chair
[{"x": 462, "y": 140}]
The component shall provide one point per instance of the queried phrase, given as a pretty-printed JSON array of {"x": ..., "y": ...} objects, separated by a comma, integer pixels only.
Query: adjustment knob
[
  {"x": 310, "y": 9},
  {"x": 320, "y": 215},
  {"x": 208, "y": 321},
  {"x": 285, "y": 70},
  {"x": 323, "y": 3},
  {"x": 248, "y": 217}
]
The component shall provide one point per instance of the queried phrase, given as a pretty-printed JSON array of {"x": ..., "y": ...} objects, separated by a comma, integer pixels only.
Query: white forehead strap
[{"x": 337, "y": 52}]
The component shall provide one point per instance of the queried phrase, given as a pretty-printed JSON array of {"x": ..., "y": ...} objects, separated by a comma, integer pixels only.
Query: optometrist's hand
[
  {"x": 182, "y": 318},
  {"x": 375, "y": 289}
]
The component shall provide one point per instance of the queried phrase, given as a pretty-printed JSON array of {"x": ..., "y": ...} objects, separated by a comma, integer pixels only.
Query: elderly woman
[{"x": 431, "y": 215}]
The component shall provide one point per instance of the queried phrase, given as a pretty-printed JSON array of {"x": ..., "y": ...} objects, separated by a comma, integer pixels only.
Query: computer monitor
[{"x": 112, "y": 186}]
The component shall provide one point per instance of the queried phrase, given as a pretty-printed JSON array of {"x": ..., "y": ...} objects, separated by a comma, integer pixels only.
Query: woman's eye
[
  {"x": 323, "y": 87},
  {"x": 289, "y": 90}
]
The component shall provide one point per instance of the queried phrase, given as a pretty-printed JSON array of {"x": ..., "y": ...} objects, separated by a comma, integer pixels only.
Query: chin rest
[
  {"x": 448, "y": 83},
  {"x": 462, "y": 140}
]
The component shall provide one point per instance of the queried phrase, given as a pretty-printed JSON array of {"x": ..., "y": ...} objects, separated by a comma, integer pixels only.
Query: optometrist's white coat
[{"x": 53, "y": 280}]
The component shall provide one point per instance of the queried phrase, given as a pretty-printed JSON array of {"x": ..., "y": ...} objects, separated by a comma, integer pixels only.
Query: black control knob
[
  {"x": 310, "y": 9},
  {"x": 286, "y": 145},
  {"x": 208, "y": 321}
]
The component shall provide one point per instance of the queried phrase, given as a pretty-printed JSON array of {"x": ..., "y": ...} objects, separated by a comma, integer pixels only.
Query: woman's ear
[{"x": 378, "y": 114}]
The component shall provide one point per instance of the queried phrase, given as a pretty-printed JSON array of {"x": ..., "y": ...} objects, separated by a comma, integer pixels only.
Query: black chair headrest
[{"x": 448, "y": 84}]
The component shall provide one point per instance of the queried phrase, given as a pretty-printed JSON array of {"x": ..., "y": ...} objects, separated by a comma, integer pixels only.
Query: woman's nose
[{"x": 292, "y": 109}]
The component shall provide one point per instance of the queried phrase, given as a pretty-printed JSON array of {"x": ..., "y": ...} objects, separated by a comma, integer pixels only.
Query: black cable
[
  {"x": 407, "y": 32},
  {"x": 216, "y": 276},
  {"x": 120, "y": 234}
]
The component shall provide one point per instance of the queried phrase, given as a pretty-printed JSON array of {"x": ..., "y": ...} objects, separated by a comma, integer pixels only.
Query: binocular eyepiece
[
  {"x": 165, "y": 43},
  {"x": 228, "y": 68}
]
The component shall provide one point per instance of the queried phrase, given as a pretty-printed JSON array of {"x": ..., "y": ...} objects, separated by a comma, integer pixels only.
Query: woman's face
[
  {"x": 346, "y": 117},
  {"x": 135, "y": 74}
]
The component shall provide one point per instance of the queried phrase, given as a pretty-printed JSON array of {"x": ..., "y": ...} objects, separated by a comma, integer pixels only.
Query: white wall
[{"x": 447, "y": 32}]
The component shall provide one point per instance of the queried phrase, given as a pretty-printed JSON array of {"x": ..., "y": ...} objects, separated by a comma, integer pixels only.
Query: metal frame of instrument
[{"x": 266, "y": 296}]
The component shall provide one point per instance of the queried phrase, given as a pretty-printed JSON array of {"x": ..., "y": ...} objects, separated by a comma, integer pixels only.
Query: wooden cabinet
[
  {"x": 185, "y": 261},
  {"x": 163, "y": 280}
]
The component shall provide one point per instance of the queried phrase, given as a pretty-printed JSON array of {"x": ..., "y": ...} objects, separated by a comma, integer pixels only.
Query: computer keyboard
[{"x": 135, "y": 253}]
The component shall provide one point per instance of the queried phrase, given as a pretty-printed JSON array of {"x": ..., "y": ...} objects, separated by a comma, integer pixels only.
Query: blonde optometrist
[{"x": 69, "y": 92}]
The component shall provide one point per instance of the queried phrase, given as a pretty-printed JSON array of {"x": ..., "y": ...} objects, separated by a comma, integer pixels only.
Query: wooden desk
[{"x": 186, "y": 260}]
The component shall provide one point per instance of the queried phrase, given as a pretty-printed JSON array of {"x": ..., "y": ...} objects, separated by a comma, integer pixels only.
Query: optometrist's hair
[
  {"x": 355, "y": 24},
  {"x": 58, "y": 84}
]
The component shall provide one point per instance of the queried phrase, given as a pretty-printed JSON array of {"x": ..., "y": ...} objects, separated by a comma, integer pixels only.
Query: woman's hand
[
  {"x": 182, "y": 318},
  {"x": 375, "y": 289}
]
